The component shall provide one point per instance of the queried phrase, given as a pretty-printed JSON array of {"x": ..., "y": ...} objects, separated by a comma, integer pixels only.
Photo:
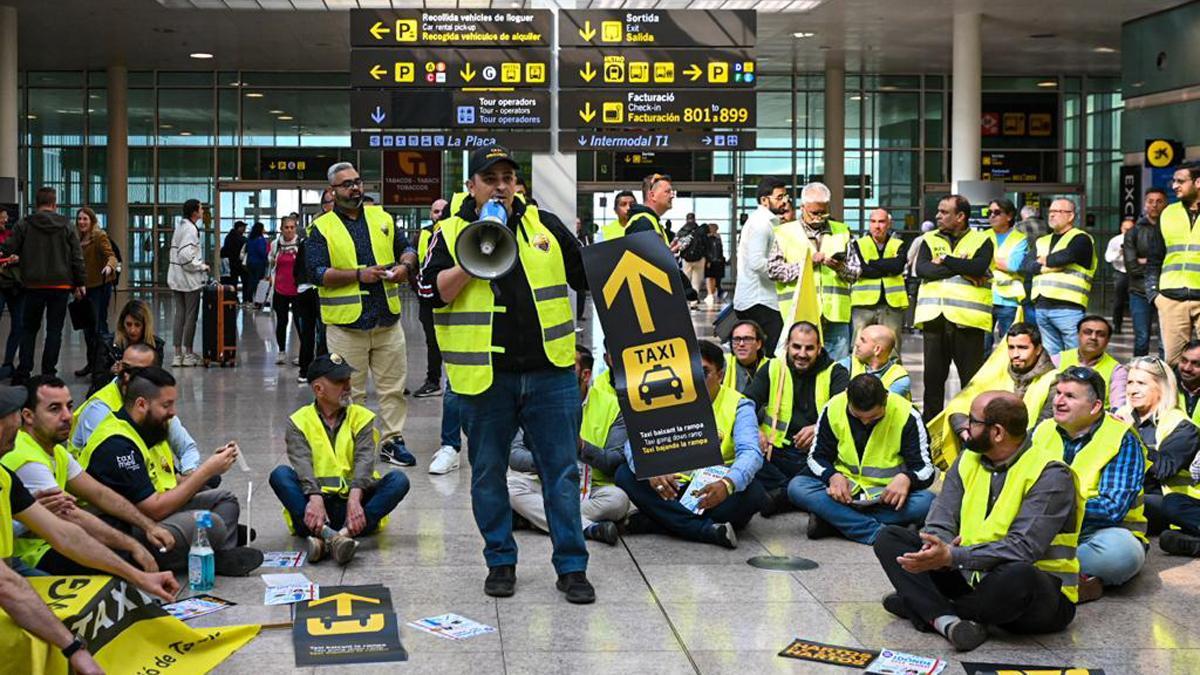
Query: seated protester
[
  {"x": 788, "y": 407},
  {"x": 875, "y": 353},
  {"x": 1094, "y": 333},
  {"x": 727, "y": 504},
  {"x": 1171, "y": 440},
  {"x": 1110, "y": 462},
  {"x": 1187, "y": 372},
  {"x": 48, "y": 471},
  {"x": 747, "y": 355},
  {"x": 998, "y": 546},
  {"x": 128, "y": 453},
  {"x": 331, "y": 492},
  {"x": 870, "y": 465},
  {"x": 135, "y": 325},
  {"x": 1030, "y": 376},
  {"x": 63, "y": 535},
  {"x": 87, "y": 417}
]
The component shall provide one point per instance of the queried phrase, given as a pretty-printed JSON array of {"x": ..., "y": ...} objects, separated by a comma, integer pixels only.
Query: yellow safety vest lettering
[
  {"x": 1181, "y": 266},
  {"x": 960, "y": 300},
  {"x": 1072, "y": 283},
  {"x": 343, "y": 305},
  {"x": 779, "y": 404},
  {"x": 866, "y": 292},
  {"x": 881, "y": 460}
]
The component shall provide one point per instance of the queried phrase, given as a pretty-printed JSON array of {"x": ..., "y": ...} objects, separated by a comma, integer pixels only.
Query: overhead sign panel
[
  {"x": 670, "y": 68},
  {"x": 604, "y": 139},
  {"x": 416, "y": 139},
  {"x": 651, "y": 109},
  {"x": 450, "y": 28},
  {"x": 444, "y": 108},
  {"x": 657, "y": 28},
  {"x": 424, "y": 67}
]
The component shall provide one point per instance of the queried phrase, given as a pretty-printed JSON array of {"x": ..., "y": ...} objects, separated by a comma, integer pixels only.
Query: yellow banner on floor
[{"x": 125, "y": 630}]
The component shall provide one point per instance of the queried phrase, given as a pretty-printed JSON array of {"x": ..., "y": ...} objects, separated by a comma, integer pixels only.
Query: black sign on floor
[
  {"x": 656, "y": 361},
  {"x": 348, "y": 624}
]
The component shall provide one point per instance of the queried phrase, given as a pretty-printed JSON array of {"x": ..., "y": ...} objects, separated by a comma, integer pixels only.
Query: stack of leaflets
[
  {"x": 892, "y": 662},
  {"x": 285, "y": 589},
  {"x": 452, "y": 626},
  {"x": 284, "y": 559},
  {"x": 190, "y": 608},
  {"x": 700, "y": 478}
]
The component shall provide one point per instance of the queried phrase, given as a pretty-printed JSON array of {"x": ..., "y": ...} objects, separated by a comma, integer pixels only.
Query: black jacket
[
  {"x": 1143, "y": 241},
  {"x": 804, "y": 387},
  {"x": 48, "y": 246},
  {"x": 1079, "y": 251}
]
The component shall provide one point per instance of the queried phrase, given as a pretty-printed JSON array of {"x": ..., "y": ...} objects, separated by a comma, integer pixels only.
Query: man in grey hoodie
[{"x": 47, "y": 251}]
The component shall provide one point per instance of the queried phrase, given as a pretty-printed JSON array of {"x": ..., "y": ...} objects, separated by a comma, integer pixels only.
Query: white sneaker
[
  {"x": 177, "y": 361},
  {"x": 280, "y": 359},
  {"x": 192, "y": 360},
  {"x": 444, "y": 461}
]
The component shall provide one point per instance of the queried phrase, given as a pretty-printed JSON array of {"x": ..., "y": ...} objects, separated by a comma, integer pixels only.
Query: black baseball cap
[
  {"x": 331, "y": 366},
  {"x": 486, "y": 157},
  {"x": 12, "y": 399}
]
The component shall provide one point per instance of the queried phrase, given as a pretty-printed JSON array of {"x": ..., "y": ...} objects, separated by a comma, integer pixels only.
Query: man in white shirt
[
  {"x": 1115, "y": 257},
  {"x": 754, "y": 295}
]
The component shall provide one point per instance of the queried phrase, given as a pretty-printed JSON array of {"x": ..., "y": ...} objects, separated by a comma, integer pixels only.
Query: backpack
[
  {"x": 697, "y": 247},
  {"x": 300, "y": 269}
]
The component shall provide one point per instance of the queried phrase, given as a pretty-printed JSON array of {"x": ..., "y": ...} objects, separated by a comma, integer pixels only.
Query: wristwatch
[{"x": 75, "y": 646}]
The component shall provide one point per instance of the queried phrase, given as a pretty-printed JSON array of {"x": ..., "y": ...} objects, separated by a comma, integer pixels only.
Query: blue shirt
[
  {"x": 183, "y": 446},
  {"x": 901, "y": 387},
  {"x": 1015, "y": 258},
  {"x": 747, "y": 458},
  {"x": 1120, "y": 480}
]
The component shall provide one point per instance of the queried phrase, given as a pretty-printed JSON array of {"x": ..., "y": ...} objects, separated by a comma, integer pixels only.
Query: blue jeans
[
  {"x": 1059, "y": 327},
  {"x": 836, "y": 336},
  {"x": 98, "y": 297},
  {"x": 1140, "y": 313},
  {"x": 1112, "y": 554},
  {"x": 25, "y": 570},
  {"x": 783, "y": 465},
  {"x": 14, "y": 298},
  {"x": 861, "y": 525},
  {"x": 1002, "y": 319},
  {"x": 378, "y": 501},
  {"x": 451, "y": 419},
  {"x": 545, "y": 405},
  {"x": 671, "y": 517}
]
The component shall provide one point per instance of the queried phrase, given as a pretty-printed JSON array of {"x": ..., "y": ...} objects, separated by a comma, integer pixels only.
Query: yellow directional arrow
[
  {"x": 587, "y": 114},
  {"x": 588, "y": 72},
  {"x": 694, "y": 71},
  {"x": 587, "y": 32},
  {"x": 633, "y": 270},
  {"x": 378, "y": 71},
  {"x": 344, "y": 602},
  {"x": 468, "y": 73},
  {"x": 379, "y": 30}
]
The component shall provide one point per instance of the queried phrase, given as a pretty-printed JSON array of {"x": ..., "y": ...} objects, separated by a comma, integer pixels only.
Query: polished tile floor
[{"x": 664, "y": 606}]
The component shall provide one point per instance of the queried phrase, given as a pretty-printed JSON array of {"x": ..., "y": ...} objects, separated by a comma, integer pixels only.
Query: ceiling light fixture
[
  {"x": 185, "y": 133},
  {"x": 200, "y": 55},
  {"x": 800, "y": 35},
  {"x": 254, "y": 94},
  {"x": 31, "y": 117},
  {"x": 274, "y": 112},
  {"x": 1046, "y": 84},
  {"x": 286, "y": 118},
  {"x": 1104, "y": 50}
]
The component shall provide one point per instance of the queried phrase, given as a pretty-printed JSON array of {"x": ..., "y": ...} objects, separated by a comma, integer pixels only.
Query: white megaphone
[{"x": 486, "y": 248}]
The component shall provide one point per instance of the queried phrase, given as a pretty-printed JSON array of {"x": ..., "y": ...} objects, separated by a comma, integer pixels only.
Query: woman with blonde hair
[
  {"x": 99, "y": 266},
  {"x": 135, "y": 324},
  {"x": 1154, "y": 410}
]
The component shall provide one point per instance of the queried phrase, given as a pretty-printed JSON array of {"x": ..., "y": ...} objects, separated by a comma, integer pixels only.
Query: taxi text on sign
[{"x": 656, "y": 361}]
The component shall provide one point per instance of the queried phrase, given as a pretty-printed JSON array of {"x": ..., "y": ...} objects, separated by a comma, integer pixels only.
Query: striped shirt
[{"x": 1120, "y": 480}]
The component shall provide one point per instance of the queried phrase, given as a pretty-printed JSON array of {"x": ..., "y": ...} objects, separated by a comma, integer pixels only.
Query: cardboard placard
[{"x": 348, "y": 624}]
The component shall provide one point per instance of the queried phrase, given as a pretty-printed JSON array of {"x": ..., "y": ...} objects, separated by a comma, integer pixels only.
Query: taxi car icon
[{"x": 660, "y": 380}]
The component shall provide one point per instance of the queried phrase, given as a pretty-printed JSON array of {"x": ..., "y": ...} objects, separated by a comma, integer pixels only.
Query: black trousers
[
  {"x": 433, "y": 353},
  {"x": 52, "y": 303},
  {"x": 768, "y": 319},
  {"x": 283, "y": 305},
  {"x": 1121, "y": 302},
  {"x": 1017, "y": 597},
  {"x": 57, "y": 564},
  {"x": 307, "y": 311},
  {"x": 946, "y": 342}
]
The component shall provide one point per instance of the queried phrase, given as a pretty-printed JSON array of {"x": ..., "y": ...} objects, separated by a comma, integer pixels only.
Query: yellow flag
[{"x": 806, "y": 302}]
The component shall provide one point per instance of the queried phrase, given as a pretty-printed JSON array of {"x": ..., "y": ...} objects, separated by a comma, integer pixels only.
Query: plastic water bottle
[{"x": 202, "y": 569}]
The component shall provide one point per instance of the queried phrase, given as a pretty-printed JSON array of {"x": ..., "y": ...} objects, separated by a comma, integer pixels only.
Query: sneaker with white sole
[
  {"x": 444, "y": 461},
  {"x": 177, "y": 361},
  {"x": 280, "y": 359},
  {"x": 342, "y": 548},
  {"x": 192, "y": 360}
]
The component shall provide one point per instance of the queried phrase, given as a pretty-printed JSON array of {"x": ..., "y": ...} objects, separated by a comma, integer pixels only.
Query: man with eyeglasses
[
  {"x": 1062, "y": 268},
  {"x": 876, "y": 352},
  {"x": 747, "y": 355},
  {"x": 1094, "y": 332},
  {"x": 1008, "y": 285},
  {"x": 1110, "y": 463},
  {"x": 358, "y": 260},
  {"x": 1030, "y": 376},
  {"x": 998, "y": 546},
  {"x": 1173, "y": 279},
  {"x": 1141, "y": 243},
  {"x": 755, "y": 295},
  {"x": 878, "y": 296}
]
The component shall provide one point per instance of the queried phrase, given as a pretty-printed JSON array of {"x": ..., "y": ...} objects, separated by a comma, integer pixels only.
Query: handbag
[{"x": 82, "y": 317}]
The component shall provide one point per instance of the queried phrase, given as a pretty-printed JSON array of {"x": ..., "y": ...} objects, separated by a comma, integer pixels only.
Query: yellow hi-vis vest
[
  {"x": 731, "y": 365},
  {"x": 109, "y": 395},
  {"x": 1181, "y": 266},
  {"x": 888, "y": 377},
  {"x": 1105, "y": 366},
  {"x": 792, "y": 243},
  {"x": 881, "y": 460},
  {"x": 31, "y": 548},
  {"x": 1195, "y": 414},
  {"x": 160, "y": 463},
  {"x": 1164, "y": 425},
  {"x": 960, "y": 300},
  {"x": 641, "y": 215},
  {"x": 1009, "y": 285},
  {"x": 423, "y": 242},
  {"x": 835, "y": 293},
  {"x": 6, "y": 516},
  {"x": 343, "y": 305},
  {"x": 464, "y": 327},
  {"x": 1074, "y": 282},
  {"x": 779, "y": 404},
  {"x": 599, "y": 412},
  {"x": 1090, "y": 461},
  {"x": 979, "y": 524},
  {"x": 613, "y": 230},
  {"x": 333, "y": 464},
  {"x": 866, "y": 292}
]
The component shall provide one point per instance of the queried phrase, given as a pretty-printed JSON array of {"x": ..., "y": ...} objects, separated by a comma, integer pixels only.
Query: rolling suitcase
[{"x": 219, "y": 324}]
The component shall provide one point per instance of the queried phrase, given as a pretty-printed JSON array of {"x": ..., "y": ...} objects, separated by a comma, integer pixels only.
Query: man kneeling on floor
[
  {"x": 726, "y": 504},
  {"x": 998, "y": 547},
  {"x": 331, "y": 493},
  {"x": 128, "y": 453},
  {"x": 870, "y": 463}
]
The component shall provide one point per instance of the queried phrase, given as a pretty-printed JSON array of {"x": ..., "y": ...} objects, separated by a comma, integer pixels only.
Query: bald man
[
  {"x": 878, "y": 295},
  {"x": 876, "y": 353}
]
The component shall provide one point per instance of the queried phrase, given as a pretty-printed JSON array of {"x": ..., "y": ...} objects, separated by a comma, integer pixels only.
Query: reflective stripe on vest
[
  {"x": 1164, "y": 426},
  {"x": 1181, "y": 266},
  {"x": 333, "y": 463},
  {"x": 881, "y": 460},
  {"x": 6, "y": 520},
  {"x": 835, "y": 292},
  {"x": 160, "y": 463},
  {"x": 1105, "y": 366},
  {"x": 343, "y": 305},
  {"x": 109, "y": 395},
  {"x": 778, "y": 414},
  {"x": 600, "y": 411},
  {"x": 1071, "y": 284},
  {"x": 1090, "y": 461},
  {"x": 865, "y": 292},
  {"x": 961, "y": 301},
  {"x": 1009, "y": 285},
  {"x": 30, "y": 548},
  {"x": 792, "y": 243},
  {"x": 894, "y": 371},
  {"x": 981, "y": 523},
  {"x": 464, "y": 327}
]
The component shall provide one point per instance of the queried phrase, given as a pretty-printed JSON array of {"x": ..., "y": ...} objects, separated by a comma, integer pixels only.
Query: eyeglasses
[
  {"x": 974, "y": 420},
  {"x": 347, "y": 184},
  {"x": 743, "y": 339},
  {"x": 1157, "y": 363},
  {"x": 1086, "y": 376}
]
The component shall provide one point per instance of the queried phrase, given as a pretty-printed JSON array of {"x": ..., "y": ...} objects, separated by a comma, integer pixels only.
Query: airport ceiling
[{"x": 1020, "y": 37}]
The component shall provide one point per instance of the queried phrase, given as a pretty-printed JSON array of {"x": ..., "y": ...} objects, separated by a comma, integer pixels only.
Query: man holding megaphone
[{"x": 498, "y": 272}]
